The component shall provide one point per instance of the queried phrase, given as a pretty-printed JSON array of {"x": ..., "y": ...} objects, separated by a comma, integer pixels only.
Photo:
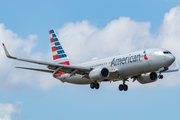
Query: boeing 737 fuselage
[{"x": 142, "y": 66}]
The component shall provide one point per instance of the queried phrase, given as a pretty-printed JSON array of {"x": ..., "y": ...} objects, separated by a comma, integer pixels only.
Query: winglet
[{"x": 7, "y": 53}]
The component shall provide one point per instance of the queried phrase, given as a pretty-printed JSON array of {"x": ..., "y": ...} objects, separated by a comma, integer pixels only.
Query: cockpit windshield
[
  {"x": 166, "y": 52},
  {"x": 162, "y": 52}
]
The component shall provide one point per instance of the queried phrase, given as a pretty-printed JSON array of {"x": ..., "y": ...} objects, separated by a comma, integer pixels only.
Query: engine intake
[
  {"x": 99, "y": 74},
  {"x": 147, "y": 78}
]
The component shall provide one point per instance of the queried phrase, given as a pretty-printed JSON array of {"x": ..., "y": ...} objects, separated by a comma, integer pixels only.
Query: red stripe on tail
[
  {"x": 53, "y": 48},
  {"x": 55, "y": 57},
  {"x": 52, "y": 40},
  {"x": 50, "y": 32},
  {"x": 65, "y": 63}
]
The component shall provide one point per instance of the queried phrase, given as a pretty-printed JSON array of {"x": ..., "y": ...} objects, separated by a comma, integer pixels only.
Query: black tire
[
  {"x": 97, "y": 85},
  {"x": 92, "y": 85},
  {"x": 125, "y": 87},
  {"x": 161, "y": 76},
  {"x": 121, "y": 87}
]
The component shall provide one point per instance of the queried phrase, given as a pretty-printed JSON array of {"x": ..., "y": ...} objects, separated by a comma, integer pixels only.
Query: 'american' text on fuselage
[{"x": 125, "y": 60}]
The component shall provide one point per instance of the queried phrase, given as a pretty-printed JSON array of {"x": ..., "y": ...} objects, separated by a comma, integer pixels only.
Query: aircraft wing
[{"x": 52, "y": 66}]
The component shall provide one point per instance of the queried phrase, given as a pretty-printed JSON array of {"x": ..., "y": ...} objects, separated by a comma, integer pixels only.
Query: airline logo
[{"x": 145, "y": 56}]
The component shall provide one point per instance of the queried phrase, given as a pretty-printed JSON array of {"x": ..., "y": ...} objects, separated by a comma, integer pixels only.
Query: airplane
[{"x": 145, "y": 66}]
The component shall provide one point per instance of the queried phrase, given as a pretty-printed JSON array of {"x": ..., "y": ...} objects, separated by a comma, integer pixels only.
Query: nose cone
[{"x": 170, "y": 59}]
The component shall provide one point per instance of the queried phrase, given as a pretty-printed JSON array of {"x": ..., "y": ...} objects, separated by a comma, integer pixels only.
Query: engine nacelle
[
  {"x": 99, "y": 74},
  {"x": 147, "y": 78}
]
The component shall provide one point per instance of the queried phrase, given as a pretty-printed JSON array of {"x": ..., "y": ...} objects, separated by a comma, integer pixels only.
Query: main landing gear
[
  {"x": 94, "y": 85},
  {"x": 123, "y": 86}
]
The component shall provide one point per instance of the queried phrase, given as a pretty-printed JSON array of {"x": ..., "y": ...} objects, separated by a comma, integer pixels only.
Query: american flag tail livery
[{"x": 59, "y": 55}]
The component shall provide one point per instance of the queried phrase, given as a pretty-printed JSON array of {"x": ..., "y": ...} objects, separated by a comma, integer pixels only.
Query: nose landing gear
[
  {"x": 162, "y": 70},
  {"x": 160, "y": 76}
]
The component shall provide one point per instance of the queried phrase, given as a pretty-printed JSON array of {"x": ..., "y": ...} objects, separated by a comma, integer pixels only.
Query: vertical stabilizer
[{"x": 59, "y": 55}]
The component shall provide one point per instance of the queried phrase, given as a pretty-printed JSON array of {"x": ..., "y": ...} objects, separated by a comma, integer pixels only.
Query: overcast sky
[{"x": 86, "y": 29}]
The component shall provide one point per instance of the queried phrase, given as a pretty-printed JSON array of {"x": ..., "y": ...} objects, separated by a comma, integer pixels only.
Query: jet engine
[
  {"x": 147, "y": 78},
  {"x": 99, "y": 74}
]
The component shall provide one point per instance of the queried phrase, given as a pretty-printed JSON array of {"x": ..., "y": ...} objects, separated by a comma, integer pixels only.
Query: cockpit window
[
  {"x": 167, "y": 52},
  {"x": 162, "y": 52}
]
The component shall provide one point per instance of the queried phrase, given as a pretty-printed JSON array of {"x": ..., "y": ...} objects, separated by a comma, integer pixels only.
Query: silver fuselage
[{"x": 125, "y": 66}]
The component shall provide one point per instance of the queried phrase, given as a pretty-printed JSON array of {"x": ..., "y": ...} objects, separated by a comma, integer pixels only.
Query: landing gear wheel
[
  {"x": 121, "y": 87},
  {"x": 96, "y": 85},
  {"x": 125, "y": 87},
  {"x": 160, "y": 76},
  {"x": 92, "y": 85}
]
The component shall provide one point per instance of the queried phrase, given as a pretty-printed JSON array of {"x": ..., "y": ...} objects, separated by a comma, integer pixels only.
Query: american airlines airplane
[{"x": 145, "y": 66}]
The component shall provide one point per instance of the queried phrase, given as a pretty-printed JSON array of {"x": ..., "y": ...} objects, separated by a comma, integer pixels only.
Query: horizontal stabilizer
[{"x": 41, "y": 70}]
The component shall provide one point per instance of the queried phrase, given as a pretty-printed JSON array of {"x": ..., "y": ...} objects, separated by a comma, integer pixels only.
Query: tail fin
[{"x": 59, "y": 55}]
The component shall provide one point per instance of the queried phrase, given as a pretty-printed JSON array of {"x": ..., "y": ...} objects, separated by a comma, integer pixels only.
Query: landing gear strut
[
  {"x": 94, "y": 85},
  {"x": 123, "y": 86}
]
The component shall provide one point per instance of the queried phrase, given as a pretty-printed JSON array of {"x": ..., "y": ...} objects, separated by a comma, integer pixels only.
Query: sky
[{"x": 86, "y": 29}]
